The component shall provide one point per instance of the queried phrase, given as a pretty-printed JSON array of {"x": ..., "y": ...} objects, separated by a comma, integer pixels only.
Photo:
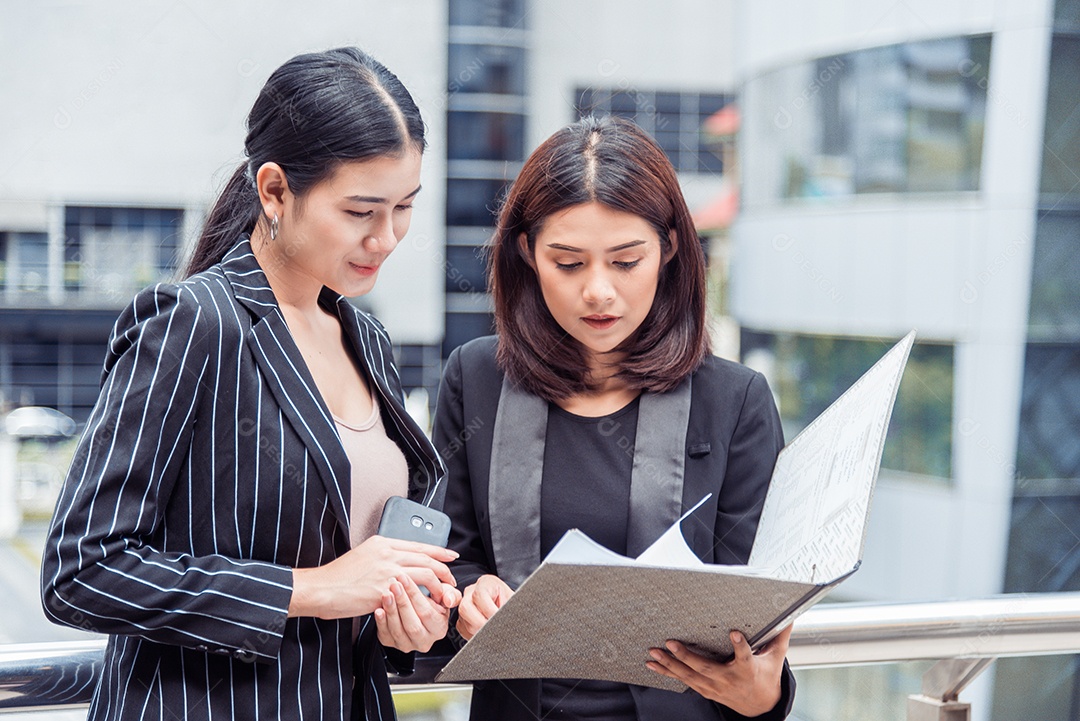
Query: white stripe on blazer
[{"x": 209, "y": 468}]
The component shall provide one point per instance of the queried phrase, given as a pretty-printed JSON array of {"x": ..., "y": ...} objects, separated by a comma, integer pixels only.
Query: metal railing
[{"x": 965, "y": 635}]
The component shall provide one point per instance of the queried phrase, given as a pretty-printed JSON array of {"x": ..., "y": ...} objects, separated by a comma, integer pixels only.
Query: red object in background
[
  {"x": 719, "y": 213},
  {"x": 724, "y": 123}
]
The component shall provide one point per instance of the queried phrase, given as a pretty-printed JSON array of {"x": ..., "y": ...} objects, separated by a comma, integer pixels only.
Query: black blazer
[
  {"x": 209, "y": 468},
  {"x": 732, "y": 441}
]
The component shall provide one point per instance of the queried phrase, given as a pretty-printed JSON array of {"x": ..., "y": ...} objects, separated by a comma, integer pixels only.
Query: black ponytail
[
  {"x": 235, "y": 213},
  {"x": 315, "y": 112}
]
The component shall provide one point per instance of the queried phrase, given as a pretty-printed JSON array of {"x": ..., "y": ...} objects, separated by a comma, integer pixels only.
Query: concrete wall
[{"x": 134, "y": 103}]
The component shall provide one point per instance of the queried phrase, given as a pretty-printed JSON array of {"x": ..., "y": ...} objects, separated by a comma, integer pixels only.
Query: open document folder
[{"x": 587, "y": 612}]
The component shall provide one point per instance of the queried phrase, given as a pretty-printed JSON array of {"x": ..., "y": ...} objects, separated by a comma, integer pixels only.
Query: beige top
[{"x": 379, "y": 470}]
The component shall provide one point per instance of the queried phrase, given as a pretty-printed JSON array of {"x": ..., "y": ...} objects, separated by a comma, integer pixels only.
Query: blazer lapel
[
  {"x": 656, "y": 482},
  {"x": 517, "y": 469},
  {"x": 287, "y": 375}
]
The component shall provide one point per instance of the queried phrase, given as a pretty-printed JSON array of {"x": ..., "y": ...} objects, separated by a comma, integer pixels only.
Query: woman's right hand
[
  {"x": 480, "y": 602},
  {"x": 354, "y": 584}
]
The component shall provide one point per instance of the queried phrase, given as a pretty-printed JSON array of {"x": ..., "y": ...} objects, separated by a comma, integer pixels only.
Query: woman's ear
[
  {"x": 673, "y": 245},
  {"x": 273, "y": 188},
  {"x": 523, "y": 248}
]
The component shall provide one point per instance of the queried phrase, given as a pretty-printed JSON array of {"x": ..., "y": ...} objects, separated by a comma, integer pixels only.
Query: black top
[{"x": 587, "y": 466}]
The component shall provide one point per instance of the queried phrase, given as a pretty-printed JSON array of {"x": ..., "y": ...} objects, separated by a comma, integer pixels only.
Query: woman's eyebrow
[
  {"x": 616, "y": 249},
  {"x": 373, "y": 199},
  {"x": 624, "y": 246}
]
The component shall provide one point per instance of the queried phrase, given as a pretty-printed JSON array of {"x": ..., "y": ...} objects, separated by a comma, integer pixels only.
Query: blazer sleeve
[
  {"x": 450, "y": 434},
  {"x": 101, "y": 570},
  {"x": 755, "y": 443}
]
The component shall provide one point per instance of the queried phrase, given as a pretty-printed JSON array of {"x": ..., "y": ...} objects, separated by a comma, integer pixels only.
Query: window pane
[
  {"x": 1048, "y": 441},
  {"x": 879, "y": 124},
  {"x": 33, "y": 371},
  {"x": 29, "y": 257},
  {"x": 486, "y": 69},
  {"x": 1067, "y": 14},
  {"x": 622, "y": 103},
  {"x": 710, "y": 149},
  {"x": 488, "y": 13},
  {"x": 1061, "y": 142},
  {"x": 485, "y": 136},
  {"x": 463, "y": 327},
  {"x": 675, "y": 120},
  {"x": 473, "y": 202},
  {"x": 900, "y": 118},
  {"x": 809, "y": 372},
  {"x": 669, "y": 103},
  {"x": 148, "y": 238},
  {"x": 946, "y": 111},
  {"x": 1042, "y": 544},
  {"x": 465, "y": 269},
  {"x": 1055, "y": 296},
  {"x": 1015, "y": 695}
]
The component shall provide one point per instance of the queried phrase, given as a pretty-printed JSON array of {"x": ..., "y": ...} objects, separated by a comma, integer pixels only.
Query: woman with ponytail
[{"x": 218, "y": 519}]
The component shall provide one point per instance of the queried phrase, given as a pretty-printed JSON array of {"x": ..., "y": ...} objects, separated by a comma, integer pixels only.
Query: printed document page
[{"x": 813, "y": 523}]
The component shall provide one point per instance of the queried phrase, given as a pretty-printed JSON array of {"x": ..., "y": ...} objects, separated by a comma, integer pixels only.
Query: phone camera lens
[{"x": 417, "y": 521}]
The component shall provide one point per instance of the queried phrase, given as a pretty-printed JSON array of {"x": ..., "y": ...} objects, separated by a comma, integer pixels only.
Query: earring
[{"x": 274, "y": 225}]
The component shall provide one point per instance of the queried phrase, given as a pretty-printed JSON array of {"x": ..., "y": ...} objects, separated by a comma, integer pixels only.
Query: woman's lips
[
  {"x": 365, "y": 270},
  {"x": 600, "y": 322}
]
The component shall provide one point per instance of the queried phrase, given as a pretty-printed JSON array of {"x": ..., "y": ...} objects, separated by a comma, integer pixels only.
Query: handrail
[
  {"x": 845, "y": 634},
  {"x": 54, "y": 675}
]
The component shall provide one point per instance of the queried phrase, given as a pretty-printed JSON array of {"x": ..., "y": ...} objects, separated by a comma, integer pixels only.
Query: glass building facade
[
  {"x": 901, "y": 119},
  {"x": 676, "y": 120},
  {"x": 809, "y": 372},
  {"x": 896, "y": 119},
  {"x": 902, "y": 123},
  {"x": 1044, "y": 539},
  {"x": 485, "y": 126},
  {"x": 62, "y": 291}
]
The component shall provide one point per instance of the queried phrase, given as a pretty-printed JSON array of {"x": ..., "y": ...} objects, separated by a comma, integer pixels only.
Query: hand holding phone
[{"x": 412, "y": 521}]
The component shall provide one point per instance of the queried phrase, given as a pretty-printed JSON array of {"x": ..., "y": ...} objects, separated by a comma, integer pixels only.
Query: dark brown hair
[{"x": 613, "y": 162}]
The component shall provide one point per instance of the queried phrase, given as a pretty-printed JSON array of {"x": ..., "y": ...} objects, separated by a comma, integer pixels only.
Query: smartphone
[{"x": 412, "y": 521}]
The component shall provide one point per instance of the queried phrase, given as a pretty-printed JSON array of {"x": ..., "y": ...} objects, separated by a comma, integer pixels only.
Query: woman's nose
[
  {"x": 598, "y": 288},
  {"x": 382, "y": 238}
]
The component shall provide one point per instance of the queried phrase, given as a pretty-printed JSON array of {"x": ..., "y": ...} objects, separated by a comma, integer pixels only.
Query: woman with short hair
[{"x": 598, "y": 406}]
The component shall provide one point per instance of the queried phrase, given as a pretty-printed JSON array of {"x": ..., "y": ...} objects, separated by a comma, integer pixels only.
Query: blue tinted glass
[
  {"x": 488, "y": 13},
  {"x": 896, "y": 119},
  {"x": 472, "y": 202},
  {"x": 1054, "y": 313},
  {"x": 486, "y": 69},
  {"x": 485, "y": 136},
  {"x": 1061, "y": 141}
]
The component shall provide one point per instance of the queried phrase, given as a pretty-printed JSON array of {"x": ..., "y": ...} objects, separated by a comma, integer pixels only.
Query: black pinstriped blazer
[{"x": 209, "y": 468}]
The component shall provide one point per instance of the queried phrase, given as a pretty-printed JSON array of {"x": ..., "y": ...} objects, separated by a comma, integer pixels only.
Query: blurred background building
[
  {"x": 917, "y": 165},
  {"x": 898, "y": 165}
]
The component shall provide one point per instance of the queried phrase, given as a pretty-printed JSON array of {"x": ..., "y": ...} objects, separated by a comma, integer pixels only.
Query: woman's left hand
[
  {"x": 410, "y": 621},
  {"x": 748, "y": 684}
]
